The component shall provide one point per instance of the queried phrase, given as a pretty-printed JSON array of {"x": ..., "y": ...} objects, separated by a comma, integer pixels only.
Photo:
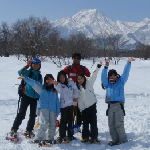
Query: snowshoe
[
  {"x": 41, "y": 143},
  {"x": 60, "y": 140},
  {"x": 94, "y": 141},
  {"x": 28, "y": 134},
  {"x": 13, "y": 133},
  {"x": 51, "y": 141},
  {"x": 85, "y": 141},
  {"x": 111, "y": 143},
  {"x": 12, "y": 136}
]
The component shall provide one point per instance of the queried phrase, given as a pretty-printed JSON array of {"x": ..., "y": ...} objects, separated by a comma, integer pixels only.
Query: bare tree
[
  {"x": 80, "y": 43},
  {"x": 5, "y": 39},
  {"x": 102, "y": 44},
  {"x": 143, "y": 51},
  {"x": 34, "y": 37}
]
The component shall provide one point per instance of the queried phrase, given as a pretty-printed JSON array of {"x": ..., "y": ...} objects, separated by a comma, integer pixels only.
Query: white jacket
[
  {"x": 67, "y": 94},
  {"x": 86, "y": 97}
]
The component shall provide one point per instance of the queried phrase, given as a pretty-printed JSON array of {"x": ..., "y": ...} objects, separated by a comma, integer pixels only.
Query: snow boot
[
  {"x": 111, "y": 143},
  {"x": 86, "y": 140},
  {"x": 94, "y": 141},
  {"x": 13, "y": 133},
  {"x": 29, "y": 134},
  {"x": 64, "y": 140}
]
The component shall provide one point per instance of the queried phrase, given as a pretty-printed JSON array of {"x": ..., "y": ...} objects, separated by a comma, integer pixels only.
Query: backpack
[
  {"x": 82, "y": 67},
  {"x": 22, "y": 84}
]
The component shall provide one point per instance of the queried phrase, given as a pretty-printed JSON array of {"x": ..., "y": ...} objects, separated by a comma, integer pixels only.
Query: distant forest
[{"x": 35, "y": 37}]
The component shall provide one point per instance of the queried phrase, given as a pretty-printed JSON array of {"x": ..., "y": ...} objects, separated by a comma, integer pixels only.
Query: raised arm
[
  {"x": 24, "y": 70},
  {"x": 38, "y": 87},
  {"x": 93, "y": 76},
  {"x": 104, "y": 77},
  {"x": 58, "y": 87},
  {"x": 125, "y": 74}
]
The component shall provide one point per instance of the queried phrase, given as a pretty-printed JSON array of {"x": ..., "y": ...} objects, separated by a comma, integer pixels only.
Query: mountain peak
[
  {"x": 146, "y": 20},
  {"x": 89, "y": 13}
]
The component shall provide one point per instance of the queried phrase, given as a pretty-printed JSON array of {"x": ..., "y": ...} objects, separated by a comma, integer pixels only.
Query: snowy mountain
[{"x": 93, "y": 22}]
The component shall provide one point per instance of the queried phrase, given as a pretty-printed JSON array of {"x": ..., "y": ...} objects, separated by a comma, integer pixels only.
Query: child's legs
[
  {"x": 44, "y": 120},
  {"x": 70, "y": 119},
  {"x": 22, "y": 112},
  {"x": 111, "y": 124},
  {"x": 85, "y": 117},
  {"x": 63, "y": 122},
  {"x": 32, "y": 116},
  {"x": 52, "y": 125},
  {"x": 93, "y": 121},
  {"x": 79, "y": 116},
  {"x": 119, "y": 124}
]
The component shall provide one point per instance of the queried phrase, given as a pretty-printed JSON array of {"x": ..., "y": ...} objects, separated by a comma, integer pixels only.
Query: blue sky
[{"x": 124, "y": 10}]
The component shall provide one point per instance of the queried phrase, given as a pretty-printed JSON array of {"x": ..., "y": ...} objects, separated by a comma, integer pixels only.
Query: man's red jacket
[{"x": 75, "y": 71}]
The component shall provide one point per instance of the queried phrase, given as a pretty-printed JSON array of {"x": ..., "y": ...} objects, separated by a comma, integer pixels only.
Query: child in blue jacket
[
  {"x": 49, "y": 106},
  {"x": 114, "y": 85},
  {"x": 28, "y": 98}
]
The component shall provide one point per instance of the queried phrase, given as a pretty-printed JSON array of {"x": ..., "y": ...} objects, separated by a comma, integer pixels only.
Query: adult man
[
  {"x": 76, "y": 68},
  {"x": 72, "y": 71}
]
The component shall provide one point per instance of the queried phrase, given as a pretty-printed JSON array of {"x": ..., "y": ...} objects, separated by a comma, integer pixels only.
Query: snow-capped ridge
[{"x": 93, "y": 22}]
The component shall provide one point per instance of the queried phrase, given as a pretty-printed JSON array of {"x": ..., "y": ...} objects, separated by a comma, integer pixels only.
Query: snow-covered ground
[{"x": 137, "y": 105}]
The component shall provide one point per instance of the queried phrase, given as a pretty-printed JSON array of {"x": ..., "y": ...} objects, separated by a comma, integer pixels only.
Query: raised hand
[
  {"x": 107, "y": 62},
  {"x": 53, "y": 82},
  {"x": 29, "y": 62},
  {"x": 131, "y": 59}
]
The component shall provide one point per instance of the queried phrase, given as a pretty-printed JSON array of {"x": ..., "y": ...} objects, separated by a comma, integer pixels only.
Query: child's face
[
  {"x": 80, "y": 80},
  {"x": 113, "y": 76},
  {"x": 48, "y": 81},
  {"x": 62, "y": 78},
  {"x": 35, "y": 66}
]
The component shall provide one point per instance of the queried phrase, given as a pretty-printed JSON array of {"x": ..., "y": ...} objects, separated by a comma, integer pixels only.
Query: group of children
[{"x": 81, "y": 92}]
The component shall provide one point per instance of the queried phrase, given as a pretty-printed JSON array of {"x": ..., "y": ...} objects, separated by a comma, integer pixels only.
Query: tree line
[{"x": 36, "y": 37}]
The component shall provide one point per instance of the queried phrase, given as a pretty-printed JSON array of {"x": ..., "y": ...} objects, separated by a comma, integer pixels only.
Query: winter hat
[
  {"x": 111, "y": 72},
  {"x": 36, "y": 60},
  {"x": 76, "y": 55}
]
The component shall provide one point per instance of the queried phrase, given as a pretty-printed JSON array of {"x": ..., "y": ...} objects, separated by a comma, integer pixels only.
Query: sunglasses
[{"x": 77, "y": 58}]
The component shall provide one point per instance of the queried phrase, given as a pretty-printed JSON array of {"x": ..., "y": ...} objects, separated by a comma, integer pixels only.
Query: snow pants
[
  {"x": 116, "y": 123},
  {"x": 89, "y": 116},
  {"x": 47, "y": 121},
  {"x": 66, "y": 118},
  {"x": 25, "y": 102}
]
